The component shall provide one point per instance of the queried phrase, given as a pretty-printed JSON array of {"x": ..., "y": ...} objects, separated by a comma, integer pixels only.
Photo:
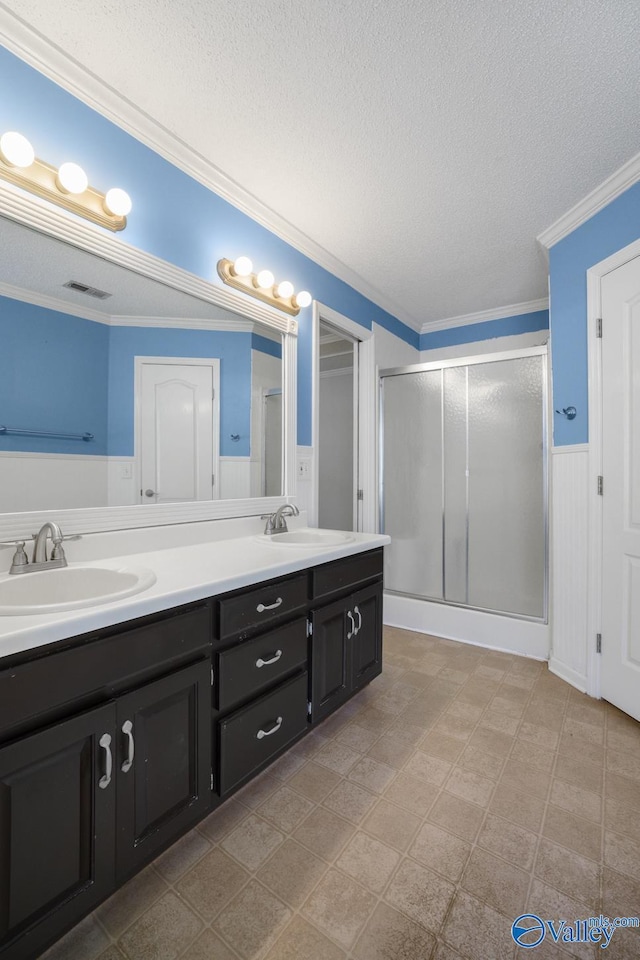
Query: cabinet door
[
  {"x": 330, "y": 682},
  {"x": 164, "y": 762},
  {"x": 57, "y": 829},
  {"x": 366, "y": 643}
]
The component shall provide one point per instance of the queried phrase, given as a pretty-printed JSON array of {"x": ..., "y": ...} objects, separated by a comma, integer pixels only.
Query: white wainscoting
[
  {"x": 569, "y": 530},
  {"x": 524, "y": 637},
  {"x": 51, "y": 481},
  {"x": 121, "y": 481},
  {"x": 236, "y": 475}
]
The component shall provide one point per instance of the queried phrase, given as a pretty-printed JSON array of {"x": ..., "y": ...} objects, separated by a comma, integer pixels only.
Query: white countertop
[{"x": 183, "y": 574}]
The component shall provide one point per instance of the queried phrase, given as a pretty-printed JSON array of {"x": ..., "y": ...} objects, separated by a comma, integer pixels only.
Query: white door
[
  {"x": 621, "y": 487},
  {"x": 178, "y": 429}
]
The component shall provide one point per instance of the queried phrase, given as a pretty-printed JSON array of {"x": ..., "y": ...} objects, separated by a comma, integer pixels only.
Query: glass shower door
[{"x": 464, "y": 482}]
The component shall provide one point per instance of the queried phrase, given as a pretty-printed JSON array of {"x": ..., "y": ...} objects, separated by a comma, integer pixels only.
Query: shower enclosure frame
[{"x": 474, "y": 360}]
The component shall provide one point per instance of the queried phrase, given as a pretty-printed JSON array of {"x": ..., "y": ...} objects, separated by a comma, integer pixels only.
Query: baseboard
[
  {"x": 577, "y": 680},
  {"x": 526, "y": 638}
]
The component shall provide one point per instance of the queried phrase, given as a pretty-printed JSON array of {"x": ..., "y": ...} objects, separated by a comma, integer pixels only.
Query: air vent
[{"x": 90, "y": 291}]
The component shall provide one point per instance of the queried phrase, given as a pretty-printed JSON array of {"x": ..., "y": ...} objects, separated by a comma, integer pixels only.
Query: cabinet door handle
[
  {"x": 261, "y": 734},
  {"x": 269, "y": 606},
  {"x": 356, "y": 610},
  {"x": 105, "y": 743},
  {"x": 353, "y": 625},
  {"x": 127, "y": 729},
  {"x": 265, "y": 663}
]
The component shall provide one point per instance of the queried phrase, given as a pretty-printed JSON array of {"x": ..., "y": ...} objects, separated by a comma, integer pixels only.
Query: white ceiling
[
  {"x": 35, "y": 267},
  {"x": 424, "y": 143}
]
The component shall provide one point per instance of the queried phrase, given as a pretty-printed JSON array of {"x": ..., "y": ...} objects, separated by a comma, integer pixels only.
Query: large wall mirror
[{"x": 120, "y": 391}]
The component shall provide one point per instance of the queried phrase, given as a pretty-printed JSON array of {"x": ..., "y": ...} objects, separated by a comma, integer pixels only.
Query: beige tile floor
[{"x": 461, "y": 788}]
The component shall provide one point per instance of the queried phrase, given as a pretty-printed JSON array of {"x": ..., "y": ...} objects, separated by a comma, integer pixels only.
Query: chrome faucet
[
  {"x": 276, "y": 522},
  {"x": 20, "y": 563}
]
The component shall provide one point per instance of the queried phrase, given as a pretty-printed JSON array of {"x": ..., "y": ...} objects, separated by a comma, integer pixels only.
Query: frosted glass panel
[
  {"x": 506, "y": 486},
  {"x": 455, "y": 491},
  {"x": 412, "y": 492}
]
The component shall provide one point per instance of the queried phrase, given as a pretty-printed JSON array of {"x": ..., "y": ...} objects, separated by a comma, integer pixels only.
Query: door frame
[
  {"x": 595, "y": 504},
  {"x": 366, "y": 445},
  {"x": 139, "y": 363}
]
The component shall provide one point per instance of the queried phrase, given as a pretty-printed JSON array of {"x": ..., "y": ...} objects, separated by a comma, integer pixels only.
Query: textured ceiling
[
  {"x": 424, "y": 143},
  {"x": 36, "y": 263}
]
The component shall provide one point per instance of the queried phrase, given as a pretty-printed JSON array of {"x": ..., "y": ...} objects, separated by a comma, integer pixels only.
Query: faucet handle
[{"x": 20, "y": 559}]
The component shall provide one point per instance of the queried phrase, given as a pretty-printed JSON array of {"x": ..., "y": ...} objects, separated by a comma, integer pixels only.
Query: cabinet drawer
[
  {"x": 250, "y": 666},
  {"x": 250, "y": 736},
  {"x": 98, "y": 667},
  {"x": 345, "y": 574},
  {"x": 252, "y": 608}
]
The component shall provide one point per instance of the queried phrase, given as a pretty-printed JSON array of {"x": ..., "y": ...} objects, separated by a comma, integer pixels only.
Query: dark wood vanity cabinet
[
  {"x": 93, "y": 794},
  {"x": 346, "y": 647},
  {"x": 115, "y": 743}
]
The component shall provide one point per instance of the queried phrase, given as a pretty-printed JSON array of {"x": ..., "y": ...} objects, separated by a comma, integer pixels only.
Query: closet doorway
[{"x": 343, "y": 495}]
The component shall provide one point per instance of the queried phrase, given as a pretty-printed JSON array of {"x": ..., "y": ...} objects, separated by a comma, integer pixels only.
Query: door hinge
[
  {"x": 309, "y": 628},
  {"x": 360, "y": 495},
  {"x": 213, "y": 479},
  {"x": 599, "y": 327},
  {"x": 212, "y": 676},
  {"x": 211, "y": 780},
  {"x": 600, "y": 485},
  {"x": 598, "y": 643},
  {"x": 308, "y": 708}
]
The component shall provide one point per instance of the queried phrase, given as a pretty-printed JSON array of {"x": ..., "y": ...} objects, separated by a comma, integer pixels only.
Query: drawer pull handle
[
  {"x": 269, "y": 606},
  {"x": 127, "y": 728},
  {"x": 105, "y": 743},
  {"x": 265, "y": 663},
  {"x": 261, "y": 734},
  {"x": 355, "y": 610},
  {"x": 352, "y": 632}
]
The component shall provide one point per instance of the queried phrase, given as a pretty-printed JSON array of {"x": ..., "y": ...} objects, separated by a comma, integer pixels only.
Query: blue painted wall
[
  {"x": 174, "y": 217},
  {"x": 487, "y": 330},
  {"x": 53, "y": 377},
  {"x": 234, "y": 351},
  {"x": 63, "y": 373},
  {"x": 617, "y": 225}
]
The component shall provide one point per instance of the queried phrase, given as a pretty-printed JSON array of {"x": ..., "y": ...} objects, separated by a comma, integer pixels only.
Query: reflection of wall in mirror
[{"x": 61, "y": 373}]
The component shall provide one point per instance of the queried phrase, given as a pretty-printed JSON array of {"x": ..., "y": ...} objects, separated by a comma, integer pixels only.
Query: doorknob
[{"x": 149, "y": 493}]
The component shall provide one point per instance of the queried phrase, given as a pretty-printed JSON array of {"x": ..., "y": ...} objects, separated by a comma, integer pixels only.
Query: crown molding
[
  {"x": 239, "y": 326},
  {"x": 52, "y": 303},
  {"x": 36, "y": 213},
  {"x": 482, "y": 316},
  {"x": 612, "y": 187},
  {"x": 32, "y": 47}
]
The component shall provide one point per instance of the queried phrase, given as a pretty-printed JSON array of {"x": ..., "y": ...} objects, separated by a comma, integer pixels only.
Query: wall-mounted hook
[
  {"x": 235, "y": 437},
  {"x": 568, "y": 412}
]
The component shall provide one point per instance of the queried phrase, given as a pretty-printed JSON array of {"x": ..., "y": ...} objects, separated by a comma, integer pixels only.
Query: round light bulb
[
  {"x": 242, "y": 267},
  {"x": 265, "y": 279},
  {"x": 117, "y": 202},
  {"x": 16, "y": 149},
  {"x": 303, "y": 299},
  {"x": 72, "y": 178},
  {"x": 285, "y": 290}
]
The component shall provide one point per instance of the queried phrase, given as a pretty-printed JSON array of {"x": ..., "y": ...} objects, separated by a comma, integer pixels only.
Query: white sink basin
[
  {"x": 308, "y": 538},
  {"x": 49, "y": 591}
]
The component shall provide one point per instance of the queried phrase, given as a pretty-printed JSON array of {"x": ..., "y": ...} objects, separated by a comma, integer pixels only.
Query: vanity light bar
[
  {"x": 239, "y": 274},
  {"x": 66, "y": 186}
]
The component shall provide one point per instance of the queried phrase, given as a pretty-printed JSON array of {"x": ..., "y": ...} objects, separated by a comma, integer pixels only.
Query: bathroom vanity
[{"x": 116, "y": 740}]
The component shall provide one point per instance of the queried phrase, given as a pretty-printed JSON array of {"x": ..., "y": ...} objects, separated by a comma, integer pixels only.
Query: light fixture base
[
  {"x": 246, "y": 284},
  {"x": 40, "y": 178}
]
